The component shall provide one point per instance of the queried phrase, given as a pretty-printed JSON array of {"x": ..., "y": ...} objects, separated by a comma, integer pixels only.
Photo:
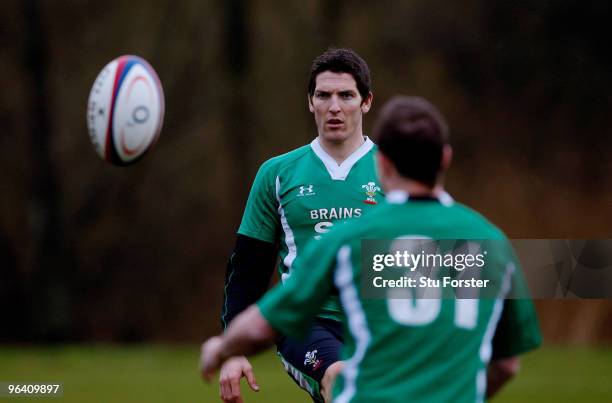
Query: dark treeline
[{"x": 89, "y": 251}]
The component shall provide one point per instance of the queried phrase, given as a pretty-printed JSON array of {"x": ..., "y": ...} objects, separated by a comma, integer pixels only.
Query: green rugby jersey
[
  {"x": 298, "y": 196},
  {"x": 407, "y": 350}
]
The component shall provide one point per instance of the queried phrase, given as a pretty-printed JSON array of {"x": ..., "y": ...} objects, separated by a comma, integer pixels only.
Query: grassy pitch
[{"x": 151, "y": 373}]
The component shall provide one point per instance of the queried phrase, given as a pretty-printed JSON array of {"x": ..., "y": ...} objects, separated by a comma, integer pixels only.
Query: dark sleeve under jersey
[{"x": 247, "y": 276}]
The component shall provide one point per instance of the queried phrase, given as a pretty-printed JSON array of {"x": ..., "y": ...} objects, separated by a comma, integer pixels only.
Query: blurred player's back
[{"x": 430, "y": 349}]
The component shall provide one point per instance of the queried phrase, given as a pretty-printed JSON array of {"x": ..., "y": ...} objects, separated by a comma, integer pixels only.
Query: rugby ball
[{"x": 125, "y": 110}]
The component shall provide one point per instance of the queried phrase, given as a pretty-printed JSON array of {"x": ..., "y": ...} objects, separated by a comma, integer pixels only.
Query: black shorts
[{"x": 306, "y": 361}]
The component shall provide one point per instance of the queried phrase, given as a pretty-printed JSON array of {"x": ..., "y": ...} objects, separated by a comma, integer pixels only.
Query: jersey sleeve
[
  {"x": 518, "y": 330},
  {"x": 290, "y": 307},
  {"x": 247, "y": 275},
  {"x": 260, "y": 219}
]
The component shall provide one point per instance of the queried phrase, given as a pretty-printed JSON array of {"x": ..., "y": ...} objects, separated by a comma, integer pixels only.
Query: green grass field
[{"x": 152, "y": 373}]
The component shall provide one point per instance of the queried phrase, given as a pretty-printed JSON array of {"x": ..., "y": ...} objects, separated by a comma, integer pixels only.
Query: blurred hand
[
  {"x": 210, "y": 357},
  {"x": 229, "y": 379}
]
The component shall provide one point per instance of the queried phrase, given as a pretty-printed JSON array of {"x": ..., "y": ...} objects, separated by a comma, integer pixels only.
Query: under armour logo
[{"x": 306, "y": 190}]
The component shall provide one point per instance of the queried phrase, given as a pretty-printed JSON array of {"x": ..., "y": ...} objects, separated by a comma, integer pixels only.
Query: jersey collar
[
  {"x": 340, "y": 172},
  {"x": 400, "y": 197}
]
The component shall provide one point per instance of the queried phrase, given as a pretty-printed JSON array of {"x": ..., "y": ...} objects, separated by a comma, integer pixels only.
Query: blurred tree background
[{"x": 89, "y": 251}]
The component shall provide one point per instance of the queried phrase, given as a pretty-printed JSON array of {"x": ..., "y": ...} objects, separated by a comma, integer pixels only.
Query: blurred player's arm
[
  {"x": 517, "y": 332},
  {"x": 247, "y": 275},
  {"x": 500, "y": 372},
  {"x": 248, "y": 334}
]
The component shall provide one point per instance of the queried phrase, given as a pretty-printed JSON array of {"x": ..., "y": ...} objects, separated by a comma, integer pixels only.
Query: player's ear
[
  {"x": 310, "y": 105},
  {"x": 447, "y": 157},
  {"x": 366, "y": 104}
]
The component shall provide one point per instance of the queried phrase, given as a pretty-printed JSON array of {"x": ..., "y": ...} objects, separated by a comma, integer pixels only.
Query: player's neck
[
  {"x": 340, "y": 151},
  {"x": 412, "y": 188}
]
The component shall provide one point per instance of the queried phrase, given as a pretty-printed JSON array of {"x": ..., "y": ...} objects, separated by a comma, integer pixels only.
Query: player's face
[{"x": 338, "y": 107}]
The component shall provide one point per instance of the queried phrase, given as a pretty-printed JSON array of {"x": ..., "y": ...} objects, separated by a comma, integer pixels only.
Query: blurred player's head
[
  {"x": 339, "y": 94},
  {"x": 413, "y": 140}
]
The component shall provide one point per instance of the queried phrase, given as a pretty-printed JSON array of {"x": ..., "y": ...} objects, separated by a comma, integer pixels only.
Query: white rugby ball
[{"x": 125, "y": 110}]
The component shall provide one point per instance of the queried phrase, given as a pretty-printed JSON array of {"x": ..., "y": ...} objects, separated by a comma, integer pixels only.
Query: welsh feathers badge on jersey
[{"x": 370, "y": 190}]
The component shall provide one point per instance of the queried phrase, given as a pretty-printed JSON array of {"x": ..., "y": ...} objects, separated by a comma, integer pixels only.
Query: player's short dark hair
[
  {"x": 341, "y": 60},
  {"x": 412, "y": 133}
]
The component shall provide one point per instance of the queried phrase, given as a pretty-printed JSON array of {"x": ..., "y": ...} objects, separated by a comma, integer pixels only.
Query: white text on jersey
[{"x": 335, "y": 213}]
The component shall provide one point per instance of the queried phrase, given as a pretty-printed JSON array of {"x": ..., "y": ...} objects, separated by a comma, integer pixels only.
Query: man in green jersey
[
  {"x": 295, "y": 198},
  {"x": 398, "y": 349}
]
